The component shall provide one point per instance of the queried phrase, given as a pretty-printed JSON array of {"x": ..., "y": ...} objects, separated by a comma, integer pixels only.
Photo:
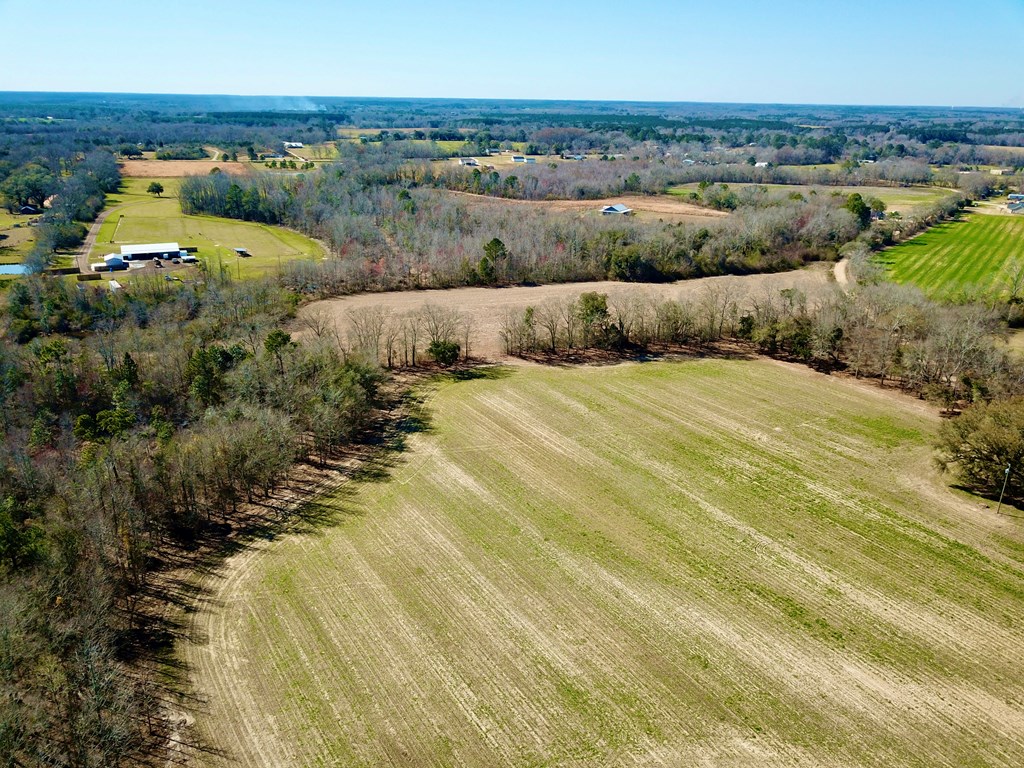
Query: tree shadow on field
[
  {"x": 1011, "y": 506},
  {"x": 189, "y": 573}
]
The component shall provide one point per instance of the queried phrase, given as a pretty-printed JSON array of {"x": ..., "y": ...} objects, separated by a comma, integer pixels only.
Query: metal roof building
[{"x": 150, "y": 251}]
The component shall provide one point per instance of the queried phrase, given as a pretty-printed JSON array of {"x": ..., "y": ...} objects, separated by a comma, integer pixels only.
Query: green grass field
[
  {"x": 971, "y": 254},
  {"x": 15, "y": 242},
  {"x": 143, "y": 218},
  {"x": 902, "y": 199},
  {"x": 699, "y": 562}
]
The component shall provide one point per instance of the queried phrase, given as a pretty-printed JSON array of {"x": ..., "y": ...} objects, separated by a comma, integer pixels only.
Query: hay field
[
  {"x": 700, "y": 562},
  {"x": 973, "y": 254}
]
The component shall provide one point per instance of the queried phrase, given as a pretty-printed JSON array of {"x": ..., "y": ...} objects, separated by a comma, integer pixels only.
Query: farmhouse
[
  {"x": 468, "y": 161},
  {"x": 761, "y": 165},
  {"x": 573, "y": 157},
  {"x": 293, "y": 145},
  {"x": 150, "y": 251},
  {"x": 618, "y": 208},
  {"x": 28, "y": 210}
]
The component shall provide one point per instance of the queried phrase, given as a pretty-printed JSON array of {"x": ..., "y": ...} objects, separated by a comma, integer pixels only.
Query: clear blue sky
[{"x": 933, "y": 52}]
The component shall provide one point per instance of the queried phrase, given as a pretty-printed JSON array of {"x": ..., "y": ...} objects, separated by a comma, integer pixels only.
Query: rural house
[{"x": 618, "y": 208}]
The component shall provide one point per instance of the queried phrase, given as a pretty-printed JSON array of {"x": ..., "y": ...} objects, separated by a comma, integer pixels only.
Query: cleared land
[
  {"x": 143, "y": 218},
  {"x": 974, "y": 253},
  {"x": 159, "y": 169},
  {"x": 902, "y": 199},
  {"x": 693, "y": 563},
  {"x": 644, "y": 206},
  {"x": 485, "y": 307}
]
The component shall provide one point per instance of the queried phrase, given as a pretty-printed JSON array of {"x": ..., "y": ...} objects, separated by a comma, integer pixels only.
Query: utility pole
[{"x": 1006, "y": 476}]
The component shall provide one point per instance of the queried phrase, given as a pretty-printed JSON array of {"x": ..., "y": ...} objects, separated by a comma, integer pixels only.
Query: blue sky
[{"x": 791, "y": 51}]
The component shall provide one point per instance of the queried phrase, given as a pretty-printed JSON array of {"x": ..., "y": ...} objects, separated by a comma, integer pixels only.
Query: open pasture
[
  {"x": 700, "y": 562},
  {"x": 973, "y": 254},
  {"x": 144, "y": 218},
  {"x": 902, "y": 199}
]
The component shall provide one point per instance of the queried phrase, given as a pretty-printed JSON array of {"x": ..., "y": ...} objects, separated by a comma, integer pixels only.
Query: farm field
[
  {"x": 665, "y": 207},
  {"x": 902, "y": 199},
  {"x": 485, "y": 307},
  {"x": 143, "y": 218},
  {"x": 970, "y": 254},
  {"x": 702, "y": 562},
  {"x": 162, "y": 169}
]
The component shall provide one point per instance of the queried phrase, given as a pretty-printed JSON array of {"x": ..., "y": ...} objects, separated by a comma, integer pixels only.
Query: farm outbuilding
[
  {"x": 468, "y": 161},
  {"x": 1016, "y": 207},
  {"x": 150, "y": 251},
  {"x": 110, "y": 263},
  {"x": 1016, "y": 198},
  {"x": 617, "y": 209}
]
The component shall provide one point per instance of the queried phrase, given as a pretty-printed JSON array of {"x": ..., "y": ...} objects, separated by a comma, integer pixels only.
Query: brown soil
[
  {"x": 487, "y": 306},
  {"x": 163, "y": 169},
  {"x": 662, "y": 205}
]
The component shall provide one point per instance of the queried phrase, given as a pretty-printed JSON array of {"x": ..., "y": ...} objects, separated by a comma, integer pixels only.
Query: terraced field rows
[
  {"x": 969, "y": 254},
  {"x": 690, "y": 563}
]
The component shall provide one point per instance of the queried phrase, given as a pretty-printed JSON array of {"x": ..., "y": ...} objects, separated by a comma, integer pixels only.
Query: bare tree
[
  {"x": 548, "y": 316},
  {"x": 366, "y": 327}
]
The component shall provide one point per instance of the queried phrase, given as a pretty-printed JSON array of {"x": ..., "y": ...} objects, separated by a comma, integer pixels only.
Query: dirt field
[
  {"x": 697, "y": 563},
  {"x": 487, "y": 306},
  {"x": 156, "y": 169},
  {"x": 661, "y": 206}
]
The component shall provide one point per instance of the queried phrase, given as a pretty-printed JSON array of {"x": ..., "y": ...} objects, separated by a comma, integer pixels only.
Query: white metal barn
[{"x": 150, "y": 251}]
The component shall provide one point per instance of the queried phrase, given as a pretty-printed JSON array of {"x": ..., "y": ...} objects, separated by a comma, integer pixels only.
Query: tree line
[{"x": 136, "y": 427}]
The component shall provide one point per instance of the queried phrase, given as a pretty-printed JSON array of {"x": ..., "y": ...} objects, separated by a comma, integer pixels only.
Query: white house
[
  {"x": 293, "y": 145},
  {"x": 618, "y": 208},
  {"x": 468, "y": 161}
]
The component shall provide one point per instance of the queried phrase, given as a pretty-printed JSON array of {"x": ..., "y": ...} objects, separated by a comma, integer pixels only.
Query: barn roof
[{"x": 128, "y": 250}]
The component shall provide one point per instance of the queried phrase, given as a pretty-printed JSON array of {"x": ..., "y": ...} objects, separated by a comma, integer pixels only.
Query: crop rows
[
  {"x": 703, "y": 562},
  {"x": 974, "y": 254}
]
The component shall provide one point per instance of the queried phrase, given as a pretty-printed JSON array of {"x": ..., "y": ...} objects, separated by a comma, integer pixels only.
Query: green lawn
[
  {"x": 15, "y": 241},
  {"x": 969, "y": 254},
  {"x": 144, "y": 218},
  {"x": 685, "y": 563}
]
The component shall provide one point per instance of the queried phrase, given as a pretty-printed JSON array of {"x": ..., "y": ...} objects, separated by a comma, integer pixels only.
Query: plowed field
[{"x": 680, "y": 563}]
